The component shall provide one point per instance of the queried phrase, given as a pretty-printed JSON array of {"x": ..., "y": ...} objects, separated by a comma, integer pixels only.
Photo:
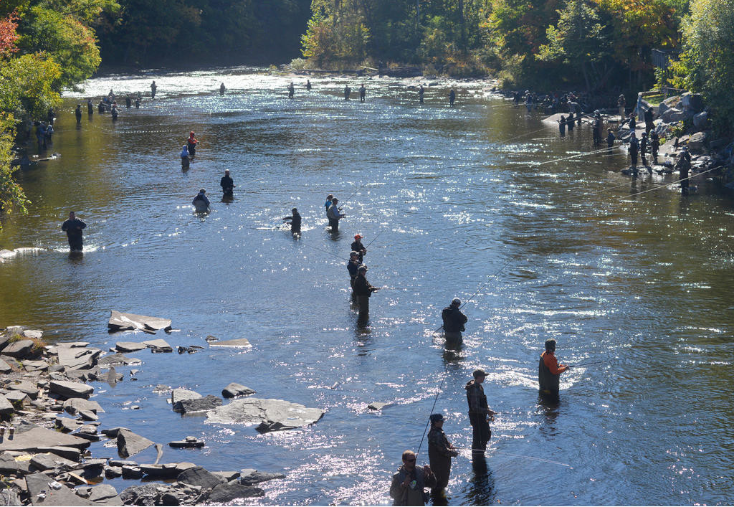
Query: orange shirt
[{"x": 550, "y": 361}]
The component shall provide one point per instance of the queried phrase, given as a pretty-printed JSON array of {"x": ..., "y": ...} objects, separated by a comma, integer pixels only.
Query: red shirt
[{"x": 550, "y": 361}]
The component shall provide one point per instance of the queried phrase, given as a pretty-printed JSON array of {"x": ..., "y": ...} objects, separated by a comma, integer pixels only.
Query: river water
[{"x": 470, "y": 202}]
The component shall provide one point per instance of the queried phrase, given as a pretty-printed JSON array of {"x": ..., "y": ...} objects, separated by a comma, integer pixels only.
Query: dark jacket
[
  {"x": 362, "y": 287},
  {"x": 73, "y": 228},
  {"x": 227, "y": 184},
  {"x": 352, "y": 267},
  {"x": 476, "y": 398},
  {"x": 453, "y": 319},
  {"x": 295, "y": 219}
]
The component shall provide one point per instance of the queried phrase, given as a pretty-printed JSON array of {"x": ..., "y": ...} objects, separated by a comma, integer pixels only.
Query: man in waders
[
  {"x": 73, "y": 229},
  {"x": 440, "y": 452},
  {"x": 358, "y": 247},
  {"x": 334, "y": 215},
  {"x": 78, "y": 113},
  {"x": 363, "y": 290},
  {"x": 479, "y": 413},
  {"x": 291, "y": 90},
  {"x": 633, "y": 150},
  {"x": 222, "y": 89},
  {"x": 549, "y": 371},
  {"x": 362, "y": 92},
  {"x": 684, "y": 165},
  {"x": 353, "y": 268},
  {"x": 227, "y": 183},
  {"x": 153, "y": 89},
  {"x": 409, "y": 482},
  {"x": 347, "y": 92},
  {"x": 655, "y": 146},
  {"x": 452, "y": 97},
  {"x": 453, "y": 321},
  {"x": 421, "y": 92},
  {"x": 295, "y": 219}
]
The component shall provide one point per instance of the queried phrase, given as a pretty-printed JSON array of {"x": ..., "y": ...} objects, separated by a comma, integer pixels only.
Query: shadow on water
[
  {"x": 548, "y": 408},
  {"x": 480, "y": 490}
]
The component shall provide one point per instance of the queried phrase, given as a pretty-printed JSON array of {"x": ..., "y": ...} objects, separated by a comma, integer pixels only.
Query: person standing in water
[
  {"x": 308, "y": 84},
  {"x": 479, "y": 412},
  {"x": 452, "y": 97},
  {"x": 201, "y": 202},
  {"x": 347, "y": 92},
  {"x": 549, "y": 371},
  {"x": 363, "y": 290},
  {"x": 358, "y": 247},
  {"x": 185, "y": 156},
  {"x": 291, "y": 90},
  {"x": 73, "y": 228},
  {"x": 421, "y": 92},
  {"x": 440, "y": 452},
  {"x": 334, "y": 215},
  {"x": 295, "y": 219},
  {"x": 227, "y": 183},
  {"x": 453, "y": 321},
  {"x": 362, "y": 92},
  {"x": 78, "y": 113},
  {"x": 409, "y": 482},
  {"x": 222, "y": 89},
  {"x": 192, "y": 142},
  {"x": 90, "y": 107},
  {"x": 153, "y": 89}
]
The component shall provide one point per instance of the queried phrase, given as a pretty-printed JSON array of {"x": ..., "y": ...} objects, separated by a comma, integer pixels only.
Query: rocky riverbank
[{"x": 50, "y": 418}]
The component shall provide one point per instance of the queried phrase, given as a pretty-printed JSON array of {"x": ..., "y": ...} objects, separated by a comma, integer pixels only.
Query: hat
[
  {"x": 362, "y": 268},
  {"x": 456, "y": 301},
  {"x": 226, "y": 170},
  {"x": 357, "y": 236},
  {"x": 479, "y": 373},
  {"x": 294, "y": 209},
  {"x": 330, "y": 196},
  {"x": 335, "y": 199},
  {"x": 436, "y": 418},
  {"x": 202, "y": 191}
]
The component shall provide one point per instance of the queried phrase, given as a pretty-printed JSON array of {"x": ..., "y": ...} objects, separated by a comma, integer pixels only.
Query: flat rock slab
[
  {"x": 225, "y": 493},
  {"x": 198, "y": 476},
  {"x": 240, "y": 342},
  {"x": 49, "y": 461},
  {"x": 75, "y": 405},
  {"x": 377, "y": 405},
  {"x": 64, "y": 496},
  {"x": 118, "y": 360},
  {"x": 6, "y": 408},
  {"x": 204, "y": 404},
  {"x": 131, "y": 322},
  {"x": 270, "y": 415},
  {"x": 8, "y": 465},
  {"x": 72, "y": 358},
  {"x": 188, "y": 443},
  {"x": 20, "y": 349},
  {"x": 250, "y": 476},
  {"x": 234, "y": 389},
  {"x": 159, "y": 345},
  {"x": 130, "y": 444},
  {"x": 179, "y": 395},
  {"x": 25, "y": 387},
  {"x": 5, "y": 367},
  {"x": 39, "y": 440},
  {"x": 70, "y": 389},
  {"x": 130, "y": 346},
  {"x": 30, "y": 365}
]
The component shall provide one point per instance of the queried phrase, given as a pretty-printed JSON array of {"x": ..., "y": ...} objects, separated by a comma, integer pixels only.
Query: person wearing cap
[
  {"x": 453, "y": 321},
  {"x": 363, "y": 290},
  {"x": 634, "y": 148},
  {"x": 73, "y": 229},
  {"x": 358, "y": 247},
  {"x": 610, "y": 138},
  {"x": 192, "y": 142},
  {"x": 549, "y": 371},
  {"x": 327, "y": 204},
  {"x": 227, "y": 183},
  {"x": 353, "y": 268},
  {"x": 479, "y": 412},
  {"x": 201, "y": 202},
  {"x": 683, "y": 164},
  {"x": 409, "y": 482},
  {"x": 334, "y": 215},
  {"x": 78, "y": 113},
  {"x": 654, "y": 146},
  {"x": 649, "y": 122},
  {"x": 440, "y": 452},
  {"x": 295, "y": 219}
]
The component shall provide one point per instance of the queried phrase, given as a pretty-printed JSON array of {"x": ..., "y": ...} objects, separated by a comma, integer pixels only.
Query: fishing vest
[{"x": 546, "y": 380}]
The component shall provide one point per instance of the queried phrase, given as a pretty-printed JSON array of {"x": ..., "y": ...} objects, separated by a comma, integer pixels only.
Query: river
[{"x": 470, "y": 202}]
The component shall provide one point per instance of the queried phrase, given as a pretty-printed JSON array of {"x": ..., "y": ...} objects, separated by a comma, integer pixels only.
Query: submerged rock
[
  {"x": 240, "y": 342},
  {"x": 129, "y": 346},
  {"x": 250, "y": 476},
  {"x": 377, "y": 405},
  {"x": 234, "y": 389},
  {"x": 270, "y": 415},
  {"x": 179, "y": 395}
]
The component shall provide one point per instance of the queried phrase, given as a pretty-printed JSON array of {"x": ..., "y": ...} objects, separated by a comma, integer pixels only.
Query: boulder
[
  {"x": 64, "y": 495},
  {"x": 270, "y": 415},
  {"x": 158, "y": 345},
  {"x": 40, "y": 440},
  {"x": 377, "y": 405},
  {"x": 48, "y": 461},
  {"x": 69, "y": 453},
  {"x": 129, "y": 346},
  {"x": 70, "y": 389},
  {"x": 6, "y": 407},
  {"x": 131, "y": 322},
  {"x": 234, "y": 389},
  {"x": 20, "y": 349},
  {"x": 102, "y": 493},
  {"x": 198, "y": 476},
  {"x": 75, "y": 405},
  {"x": 31, "y": 366},
  {"x": 696, "y": 142},
  {"x": 131, "y": 472},
  {"x": 165, "y": 471},
  {"x": 112, "y": 433},
  {"x": 88, "y": 415},
  {"x": 17, "y": 398},
  {"x": 700, "y": 120},
  {"x": 25, "y": 387},
  {"x": 226, "y": 493},
  {"x": 179, "y": 395},
  {"x": 692, "y": 101},
  {"x": 238, "y": 343},
  {"x": 8, "y": 465},
  {"x": 250, "y": 476},
  {"x": 675, "y": 114},
  {"x": 204, "y": 404},
  {"x": 227, "y": 476},
  {"x": 112, "y": 472},
  {"x": 72, "y": 358},
  {"x": 67, "y": 425},
  {"x": 118, "y": 360},
  {"x": 130, "y": 444},
  {"x": 5, "y": 367}
]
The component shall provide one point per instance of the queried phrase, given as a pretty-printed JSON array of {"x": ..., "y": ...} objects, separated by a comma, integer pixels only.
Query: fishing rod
[
  {"x": 573, "y": 156},
  {"x": 517, "y": 456},
  {"x": 374, "y": 239},
  {"x": 354, "y": 193},
  {"x": 672, "y": 182},
  {"x": 585, "y": 364},
  {"x": 432, "y": 408}
]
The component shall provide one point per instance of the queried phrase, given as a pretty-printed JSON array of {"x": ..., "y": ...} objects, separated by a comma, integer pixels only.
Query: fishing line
[
  {"x": 432, "y": 408},
  {"x": 671, "y": 183},
  {"x": 571, "y": 157}
]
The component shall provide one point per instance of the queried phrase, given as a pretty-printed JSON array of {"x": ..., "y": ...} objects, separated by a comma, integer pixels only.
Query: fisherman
[
  {"x": 192, "y": 142},
  {"x": 479, "y": 412},
  {"x": 362, "y": 92},
  {"x": 633, "y": 149},
  {"x": 453, "y": 321},
  {"x": 291, "y": 90},
  {"x": 90, "y": 107},
  {"x": 643, "y": 151},
  {"x": 222, "y": 88},
  {"x": 334, "y": 215},
  {"x": 114, "y": 111},
  {"x": 610, "y": 138},
  {"x": 562, "y": 125},
  {"x": 41, "y": 135},
  {"x": 78, "y": 113},
  {"x": 49, "y": 134},
  {"x": 597, "y": 128},
  {"x": 347, "y": 92},
  {"x": 101, "y": 108},
  {"x": 655, "y": 145},
  {"x": 569, "y": 121},
  {"x": 358, "y": 247},
  {"x": 137, "y": 102},
  {"x": 440, "y": 452},
  {"x": 226, "y": 183},
  {"x": 295, "y": 219},
  {"x": 201, "y": 202},
  {"x": 128, "y": 101},
  {"x": 308, "y": 84},
  {"x": 528, "y": 101},
  {"x": 153, "y": 89},
  {"x": 185, "y": 156},
  {"x": 409, "y": 482},
  {"x": 549, "y": 371},
  {"x": 633, "y": 122},
  {"x": 327, "y": 204},
  {"x": 51, "y": 116},
  {"x": 452, "y": 97},
  {"x": 649, "y": 124},
  {"x": 621, "y": 102},
  {"x": 363, "y": 290},
  {"x": 353, "y": 266},
  {"x": 73, "y": 228},
  {"x": 516, "y": 98},
  {"x": 421, "y": 92},
  {"x": 683, "y": 164}
]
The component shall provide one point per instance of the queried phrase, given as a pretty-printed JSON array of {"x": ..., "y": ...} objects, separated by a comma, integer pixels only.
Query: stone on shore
[
  {"x": 131, "y": 322},
  {"x": 70, "y": 389},
  {"x": 199, "y": 476},
  {"x": 270, "y": 415},
  {"x": 8, "y": 465},
  {"x": 226, "y": 493},
  {"x": 21, "y": 349},
  {"x": 31, "y": 366},
  {"x": 158, "y": 345},
  {"x": 39, "y": 439},
  {"x": 250, "y": 476},
  {"x": 63, "y": 496},
  {"x": 9, "y": 497},
  {"x": 5, "y": 367},
  {"x": 130, "y": 346},
  {"x": 6, "y": 408},
  {"x": 179, "y": 395},
  {"x": 130, "y": 444},
  {"x": 204, "y": 404},
  {"x": 118, "y": 360},
  {"x": 17, "y": 398},
  {"x": 234, "y": 389},
  {"x": 67, "y": 425},
  {"x": 240, "y": 342},
  {"x": 25, "y": 387},
  {"x": 72, "y": 358},
  {"x": 75, "y": 405},
  {"x": 48, "y": 461}
]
